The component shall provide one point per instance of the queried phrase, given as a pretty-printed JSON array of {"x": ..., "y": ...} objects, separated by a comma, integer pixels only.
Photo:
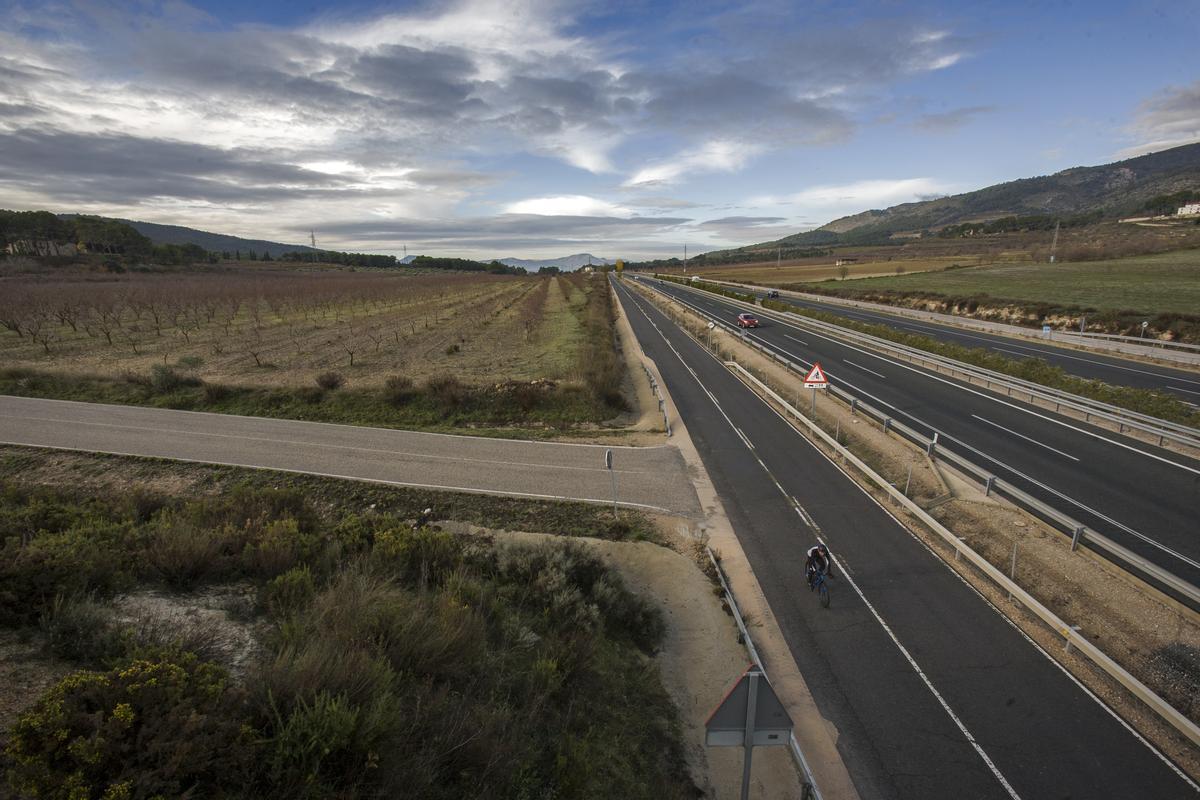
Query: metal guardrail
[
  {"x": 809, "y": 789},
  {"x": 1115, "y": 337},
  {"x": 662, "y": 402},
  {"x": 1080, "y": 534},
  {"x": 1123, "y": 418}
]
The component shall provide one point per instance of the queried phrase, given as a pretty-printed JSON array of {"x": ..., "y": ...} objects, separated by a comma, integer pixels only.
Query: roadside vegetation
[
  {"x": 429, "y": 352},
  {"x": 350, "y": 654}
]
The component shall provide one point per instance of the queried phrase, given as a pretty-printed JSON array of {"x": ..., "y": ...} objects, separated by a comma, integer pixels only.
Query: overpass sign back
[{"x": 815, "y": 379}]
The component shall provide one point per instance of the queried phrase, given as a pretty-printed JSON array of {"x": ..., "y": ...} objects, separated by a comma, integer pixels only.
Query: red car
[{"x": 747, "y": 321}]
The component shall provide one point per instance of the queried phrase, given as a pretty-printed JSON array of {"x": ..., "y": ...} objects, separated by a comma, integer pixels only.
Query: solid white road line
[{"x": 1023, "y": 436}]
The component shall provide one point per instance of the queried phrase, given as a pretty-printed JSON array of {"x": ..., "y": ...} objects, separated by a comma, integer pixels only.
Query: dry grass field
[
  {"x": 823, "y": 269},
  {"x": 283, "y": 328}
]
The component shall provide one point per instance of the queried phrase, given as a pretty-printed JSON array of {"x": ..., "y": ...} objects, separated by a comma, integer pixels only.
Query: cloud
[
  {"x": 714, "y": 156},
  {"x": 161, "y": 111},
  {"x": 743, "y": 230},
  {"x": 947, "y": 121},
  {"x": 1169, "y": 119},
  {"x": 567, "y": 205}
]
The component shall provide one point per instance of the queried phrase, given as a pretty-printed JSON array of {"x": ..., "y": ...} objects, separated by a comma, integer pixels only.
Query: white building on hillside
[{"x": 1188, "y": 210}]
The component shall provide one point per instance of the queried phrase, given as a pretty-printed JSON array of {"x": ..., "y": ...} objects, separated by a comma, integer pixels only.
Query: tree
[{"x": 843, "y": 271}]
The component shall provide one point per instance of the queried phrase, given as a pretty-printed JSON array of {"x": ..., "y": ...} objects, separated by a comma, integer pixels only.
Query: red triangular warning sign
[{"x": 816, "y": 377}]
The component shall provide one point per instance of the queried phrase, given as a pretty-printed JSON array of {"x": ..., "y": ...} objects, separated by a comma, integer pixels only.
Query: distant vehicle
[
  {"x": 747, "y": 321},
  {"x": 695, "y": 279},
  {"x": 772, "y": 293}
]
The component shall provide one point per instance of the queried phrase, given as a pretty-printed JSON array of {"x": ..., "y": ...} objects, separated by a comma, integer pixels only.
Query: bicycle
[{"x": 819, "y": 582}]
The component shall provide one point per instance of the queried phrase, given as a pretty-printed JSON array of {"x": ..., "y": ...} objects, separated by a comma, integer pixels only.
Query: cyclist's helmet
[{"x": 824, "y": 550}]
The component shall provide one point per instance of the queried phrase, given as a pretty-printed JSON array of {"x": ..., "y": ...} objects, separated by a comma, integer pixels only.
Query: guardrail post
[
  {"x": 1076, "y": 537},
  {"x": 1068, "y": 638},
  {"x": 887, "y": 424},
  {"x": 854, "y": 406},
  {"x": 929, "y": 450},
  {"x": 987, "y": 485}
]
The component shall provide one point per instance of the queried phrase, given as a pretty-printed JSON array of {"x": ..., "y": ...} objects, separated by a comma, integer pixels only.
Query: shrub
[
  {"x": 84, "y": 559},
  {"x": 421, "y": 554},
  {"x": 216, "y": 393},
  {"x": 182, "y": 554},
  {"x": 164, "y": 379},
  {"x": 81, "y": 629},
  {"x": 447, "y": 390},
  {"x": 398, "y": 389},
  {"x": 452, "y": 349},
  {"x": 88, "y": 736},
  {"x": 331, "y": 381},
  {"x": 290, "y": 592}
]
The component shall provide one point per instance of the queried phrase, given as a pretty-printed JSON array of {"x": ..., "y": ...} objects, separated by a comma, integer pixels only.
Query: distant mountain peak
[{"x": 565, "y": 263}]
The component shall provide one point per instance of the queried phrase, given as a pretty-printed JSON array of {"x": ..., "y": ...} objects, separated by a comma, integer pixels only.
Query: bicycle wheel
[{"x": 824, "y": 592}]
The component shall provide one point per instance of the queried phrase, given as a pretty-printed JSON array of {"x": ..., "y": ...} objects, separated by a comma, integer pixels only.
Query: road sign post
[
  {"x": 751, "y": 714},
  {"x": 815, "y": 379},
  {"x": 608, "y": 465}
]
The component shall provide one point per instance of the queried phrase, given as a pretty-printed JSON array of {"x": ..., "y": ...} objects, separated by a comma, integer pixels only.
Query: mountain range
[
  {"x": 1107, "y": 191},
  {"x": 565, "y": 263}
]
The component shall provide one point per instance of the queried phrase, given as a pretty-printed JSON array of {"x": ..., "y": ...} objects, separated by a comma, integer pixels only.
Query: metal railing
[
  {"x": 1079, "y": 533},
  {"x": 1162, "y": 430}
]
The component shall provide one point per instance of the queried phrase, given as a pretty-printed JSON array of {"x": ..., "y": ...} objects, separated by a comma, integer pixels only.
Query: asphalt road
[
  {"x": 933, "y": 693},
  {"x": 1143, "y": 497},
  {"x": 1118, "y": 371},
  {"x": 652, "y": 478}
]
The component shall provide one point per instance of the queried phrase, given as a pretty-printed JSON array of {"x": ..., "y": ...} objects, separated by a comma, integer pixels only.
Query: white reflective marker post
[{"x": 608, "y": 464}]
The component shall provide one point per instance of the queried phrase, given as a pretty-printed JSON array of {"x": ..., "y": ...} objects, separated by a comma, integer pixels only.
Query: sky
[{"x": 541, "y": 128}]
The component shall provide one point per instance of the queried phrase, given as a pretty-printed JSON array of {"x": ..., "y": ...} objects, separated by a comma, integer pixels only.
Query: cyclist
[{"x": 818, "y": 559}]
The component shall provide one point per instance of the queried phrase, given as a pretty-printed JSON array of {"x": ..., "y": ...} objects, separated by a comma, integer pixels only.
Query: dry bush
[{"x": 331, "y": 381}]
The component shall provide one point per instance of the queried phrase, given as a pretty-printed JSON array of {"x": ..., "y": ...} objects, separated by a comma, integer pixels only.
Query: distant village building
[
  {"x": 1189, "y": 210},
  {"x": 40, "y": 247},
  {"x": 843, "y": 261}
]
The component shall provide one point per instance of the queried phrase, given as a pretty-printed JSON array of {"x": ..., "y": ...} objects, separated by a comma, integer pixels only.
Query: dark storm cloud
[{"x": 127, "y": 169}]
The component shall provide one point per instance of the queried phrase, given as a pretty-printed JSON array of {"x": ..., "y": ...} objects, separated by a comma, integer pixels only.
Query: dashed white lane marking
[
  {"x": 864, "y": 369},
  {"x": 1023, "y": 436}
]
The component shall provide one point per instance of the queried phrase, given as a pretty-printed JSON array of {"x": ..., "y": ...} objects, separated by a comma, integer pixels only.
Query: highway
[
  {"x": 1143, "y": 497},
  {"x": 932, "y": 692},
  {"x": 1118, "y": 371},
  {"x": 649, "y": 478}
]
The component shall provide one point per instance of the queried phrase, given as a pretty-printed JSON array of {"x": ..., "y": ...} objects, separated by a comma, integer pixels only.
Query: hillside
[
  {"x": 212, "y": 242},
  {"x": 1079, "y": 195}
]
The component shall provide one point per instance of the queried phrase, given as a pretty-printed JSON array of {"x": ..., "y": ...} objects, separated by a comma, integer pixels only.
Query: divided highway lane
[
  {"x": 933, "y": 694},
  {"x": 1117, "y": 371},
  {"x": 1143, "y": 497}
]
